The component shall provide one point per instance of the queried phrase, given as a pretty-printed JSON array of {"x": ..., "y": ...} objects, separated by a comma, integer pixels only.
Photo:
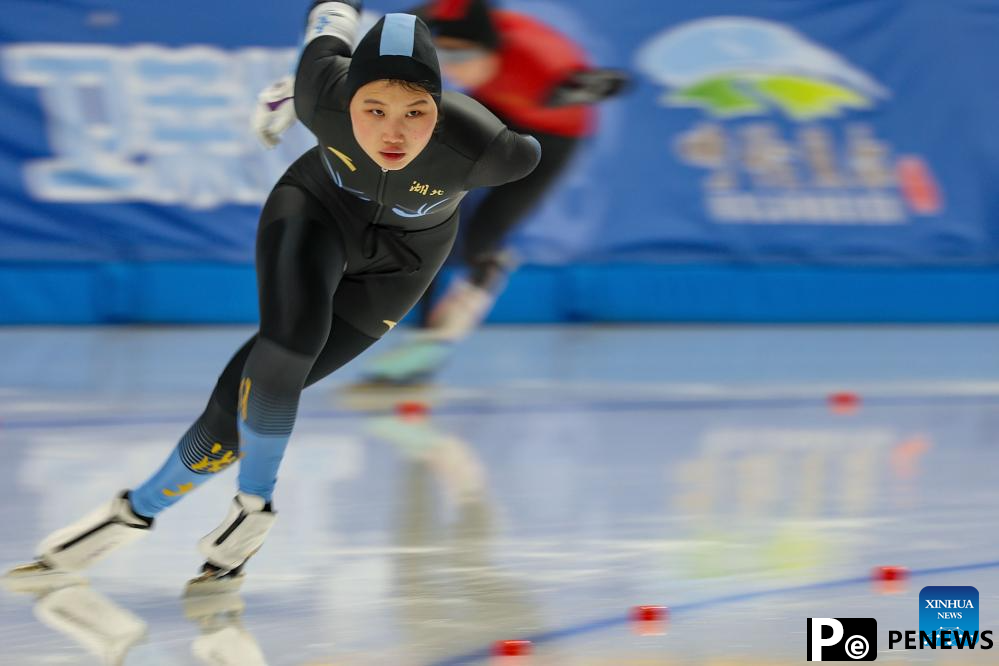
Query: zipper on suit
[{"x": 379, "y": 194}]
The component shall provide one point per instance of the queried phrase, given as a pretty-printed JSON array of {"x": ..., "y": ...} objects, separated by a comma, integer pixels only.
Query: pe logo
[
  {"x": 842, "y": 639},
  {"x": 947, "y": 608}
]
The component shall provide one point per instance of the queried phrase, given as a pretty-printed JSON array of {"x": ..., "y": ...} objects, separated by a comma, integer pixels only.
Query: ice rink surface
[{"x": 562, "y": 477}]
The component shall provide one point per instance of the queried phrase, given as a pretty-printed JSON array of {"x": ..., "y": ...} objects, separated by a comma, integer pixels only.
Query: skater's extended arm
[{"x": 330, "y": 35}]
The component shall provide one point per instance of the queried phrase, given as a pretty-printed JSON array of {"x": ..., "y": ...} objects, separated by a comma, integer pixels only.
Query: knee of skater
[
  {"x": 301, "y": 335},
  {"x": 281, "y": 360}
]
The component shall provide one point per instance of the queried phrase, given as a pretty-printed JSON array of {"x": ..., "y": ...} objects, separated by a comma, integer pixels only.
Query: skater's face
[
  {"x": 393, "y": 122},
  {"x": 465, "y": 63}
]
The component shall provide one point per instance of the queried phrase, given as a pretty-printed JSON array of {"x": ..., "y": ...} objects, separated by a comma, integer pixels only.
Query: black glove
[{"x": 589, "y": 87}]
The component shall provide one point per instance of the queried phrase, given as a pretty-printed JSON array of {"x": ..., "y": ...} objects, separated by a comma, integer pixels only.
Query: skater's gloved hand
[
  {"x": 489, "y": 270},
  {"x": 589, "y": 87},
  {"x": 275, "y": 111},
  {"x": 356, "y": 4}
]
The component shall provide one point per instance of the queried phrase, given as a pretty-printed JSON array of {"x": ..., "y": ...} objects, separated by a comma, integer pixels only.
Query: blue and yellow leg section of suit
[{"x": 197, "y": 457}]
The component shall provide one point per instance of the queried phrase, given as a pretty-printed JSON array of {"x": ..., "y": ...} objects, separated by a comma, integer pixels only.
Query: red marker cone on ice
[
  {"x": 844, "y": 402},
  {"x": 890, "y": 579},
  {"x": 511, "y": 648},
  {"x": 412, "y": 409},
  {"x": 650, "y": 620}
]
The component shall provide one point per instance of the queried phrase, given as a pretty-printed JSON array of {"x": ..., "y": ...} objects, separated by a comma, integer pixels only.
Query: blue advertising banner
[{"x": 767, "y": 133}]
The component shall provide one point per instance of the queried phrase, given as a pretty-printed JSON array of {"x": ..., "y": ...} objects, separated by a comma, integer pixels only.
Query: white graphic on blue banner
[
  {"x": 154, "y": 124},
  {"x": 781, "y": 146}
]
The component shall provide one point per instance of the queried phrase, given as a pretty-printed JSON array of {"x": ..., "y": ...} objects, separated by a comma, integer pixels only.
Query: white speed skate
[
  {"x": 88, "y": 540},
  {"x": 460, "y": 311},
  {"x": 231, "y": 544}
]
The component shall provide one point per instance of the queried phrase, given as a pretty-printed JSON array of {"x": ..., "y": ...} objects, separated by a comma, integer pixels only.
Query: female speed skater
[{"x": 349, "y": 238}]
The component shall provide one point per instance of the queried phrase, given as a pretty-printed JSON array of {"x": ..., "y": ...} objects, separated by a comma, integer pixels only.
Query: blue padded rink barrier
[{"x": 564, "y": 475}]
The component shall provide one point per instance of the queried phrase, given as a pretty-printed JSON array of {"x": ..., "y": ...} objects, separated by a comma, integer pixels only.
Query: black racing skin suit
[{"x": 344, "y": 248}]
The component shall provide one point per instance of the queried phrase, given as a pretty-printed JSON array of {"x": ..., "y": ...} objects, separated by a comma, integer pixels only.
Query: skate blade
[
  {"x": 378, "y": 385},
  {"x": 209, "y": 583},
  {"x": 37, "y": 577}
]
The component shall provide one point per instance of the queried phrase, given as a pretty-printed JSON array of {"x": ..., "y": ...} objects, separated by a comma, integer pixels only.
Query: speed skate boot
[
  {"x": 231, "y": 544},
  {"x": 460, "y": 311},
  {"x": 88, "y": 540}
]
